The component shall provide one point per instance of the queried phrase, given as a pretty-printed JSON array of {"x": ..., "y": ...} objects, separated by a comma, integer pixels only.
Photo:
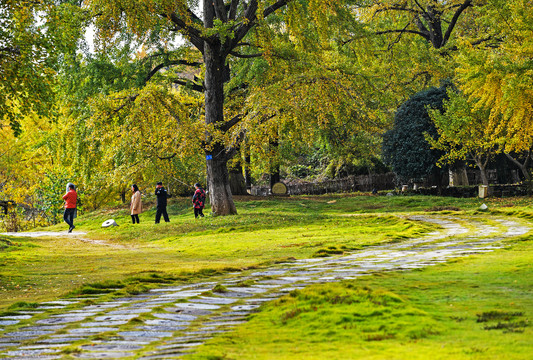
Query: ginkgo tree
[
  {"x": 33, "y": 35},
  {"x": 498, "y": 76},
  {"x": 463, "y": 133},
  {"x": 214, "y": 28}
]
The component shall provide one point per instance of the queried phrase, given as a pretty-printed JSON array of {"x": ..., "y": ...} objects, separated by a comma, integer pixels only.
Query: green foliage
[
  {"x": 33, "y": 35},
  {"x": 49, "y": 196},
  {"x": 405, "y": 147}
]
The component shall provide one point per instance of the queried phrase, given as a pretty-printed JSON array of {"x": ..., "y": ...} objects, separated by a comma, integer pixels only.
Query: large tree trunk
[
  {"x": 219, "y": 187},
  {"x": 217, "y": 158}
]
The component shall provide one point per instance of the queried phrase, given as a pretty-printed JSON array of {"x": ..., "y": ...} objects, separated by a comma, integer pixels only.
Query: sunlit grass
[{"x": 470, "y": 308}]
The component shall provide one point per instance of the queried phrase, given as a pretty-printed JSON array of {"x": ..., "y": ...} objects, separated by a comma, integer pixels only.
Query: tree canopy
[{"x": 183, "y": 90}]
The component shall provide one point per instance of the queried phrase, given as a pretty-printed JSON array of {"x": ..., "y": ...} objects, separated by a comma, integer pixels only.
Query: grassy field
[{"x": 472, "y": 308}]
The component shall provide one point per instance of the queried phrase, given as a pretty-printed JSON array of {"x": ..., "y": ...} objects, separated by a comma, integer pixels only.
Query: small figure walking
[
  {"x": 198, "y": 200},
  {"x": 162, "y": 196},
  {"x": 70, "y": 206},
  {"x": 136, "y": 205}
]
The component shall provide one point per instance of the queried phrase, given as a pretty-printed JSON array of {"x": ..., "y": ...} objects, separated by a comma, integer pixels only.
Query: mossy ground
[
  {"x": 478, "y": 307},
  {"x": 409, "y": 315}
]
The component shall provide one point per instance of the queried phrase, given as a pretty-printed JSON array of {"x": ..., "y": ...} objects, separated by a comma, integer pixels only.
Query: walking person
[
  {"x": 162, "y": 196},
  {"x": 136, "y": 205},
  {"x": 198, "y": 200},
  {"x": 70, "y": 198}
]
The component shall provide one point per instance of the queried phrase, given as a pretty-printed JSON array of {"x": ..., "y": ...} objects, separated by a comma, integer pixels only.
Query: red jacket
[{"x": 70, "y": 199}]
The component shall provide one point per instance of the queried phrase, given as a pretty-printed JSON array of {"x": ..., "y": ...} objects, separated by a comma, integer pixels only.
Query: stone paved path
[{"x": 167, "y": 323}]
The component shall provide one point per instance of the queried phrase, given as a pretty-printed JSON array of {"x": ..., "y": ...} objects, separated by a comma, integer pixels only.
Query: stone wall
[{"x": 363, "y": 183}]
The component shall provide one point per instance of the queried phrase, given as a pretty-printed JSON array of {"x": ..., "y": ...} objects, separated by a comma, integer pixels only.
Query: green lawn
[
  {"x": 472, "y": 308},
  {"x": 409, "y": 315}
]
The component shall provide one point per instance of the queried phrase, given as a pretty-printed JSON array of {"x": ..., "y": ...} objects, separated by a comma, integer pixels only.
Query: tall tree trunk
[
  {"x": 524, "y": 168},
  {"x": 217, "y": 158},
  {"x": 482, "y": 165}
]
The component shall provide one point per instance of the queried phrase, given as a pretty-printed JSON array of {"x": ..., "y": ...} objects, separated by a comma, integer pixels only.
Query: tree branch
[
  {"x": 220, "y": 9},
  {"x": 189, "y": 84},
  {"x": 233, "y": 9},
  {"x": 230, "y": 123},
  {"x": 250, "y": 16},
  {"x": 244, "y": 56},
  {"x": 166, "y": 157},
  {"x": 193, "y": 34},
  {"x": 458, "y": 13},
  {"x": 170, "y": 63},
  {"x": 425, "y": 36}
]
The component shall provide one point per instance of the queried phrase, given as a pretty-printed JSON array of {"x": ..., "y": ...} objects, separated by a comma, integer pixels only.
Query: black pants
[
  {"x": 135, "y": 218},
  {"x": 161, "y": 211},
  {"x": 198, "y": 212},
  {"x": 68, "y": 216}
]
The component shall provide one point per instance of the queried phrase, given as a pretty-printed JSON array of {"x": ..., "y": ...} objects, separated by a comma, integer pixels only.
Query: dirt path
[
  {"x": 77, "y": 235},
  {"x": 183, "y": 317}
]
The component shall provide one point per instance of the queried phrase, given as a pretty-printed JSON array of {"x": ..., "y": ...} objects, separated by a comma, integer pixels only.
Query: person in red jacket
[
  {"x": 70, "y": 206},
  {"x": 198, "y": 200}
]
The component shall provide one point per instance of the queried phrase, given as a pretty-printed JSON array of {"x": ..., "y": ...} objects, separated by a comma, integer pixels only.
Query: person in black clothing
[
  {"x": 198, "y": 200},
  {"x": 162, "y": 196}
]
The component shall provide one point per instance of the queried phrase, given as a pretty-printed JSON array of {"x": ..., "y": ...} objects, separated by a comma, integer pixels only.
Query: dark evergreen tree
[{"x": 405, "y": 148}]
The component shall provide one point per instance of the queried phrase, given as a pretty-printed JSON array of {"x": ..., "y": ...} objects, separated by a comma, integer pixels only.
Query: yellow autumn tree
[{"x": 498, "y": 75}]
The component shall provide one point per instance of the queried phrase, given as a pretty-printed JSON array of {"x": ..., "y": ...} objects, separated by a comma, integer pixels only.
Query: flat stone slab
[
  {"x": 198, "y": 306},
  {"x": 171, "y": 328},
  {"x": 30, "y": 333},
  {"x": 104, "y": 323},
  {"x": 24, "y": 354},
  {"x": 193, "y": 312},
  {"x": 174, "y": 289},
  {"x": 228, "y": 318},
  {"x": 158, "y": 322},
  {"x": 8, "y": 322},
  {"x": 177, "y": 317},
  {"x": 224, "y": 323},
  {"x": 102, "y": 306},
  {"x": 258, "y": 300},
  {"x": 103, "y": 355},
  {"x": 269, "y": 273},
  {"x": 16, "y": 317},
  {"x": 91, "y": 330},
  {"x": 244, "y": 307},
  {"x": 64, "y": 340},
  {"x": 60, "y": 302},
  {"x": 75, "y": 313},
  {"x": 43, "y": 327},
  {"x": 185, "y": 294},
  {"x": 116, "y": 317},
  {"x": 129, "y": 311},
  {"x": 140, "y": 334},
  {"x": 112, "y": 347},
  {"x": 51, "y": 307},
  {"x": 61, "y": 320},
  {"x": 213, "y": 300},
  {"x": 38, "y": 347},
  {"x": 253, "y": 290},
  {"x": 233, "y": 294}
]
